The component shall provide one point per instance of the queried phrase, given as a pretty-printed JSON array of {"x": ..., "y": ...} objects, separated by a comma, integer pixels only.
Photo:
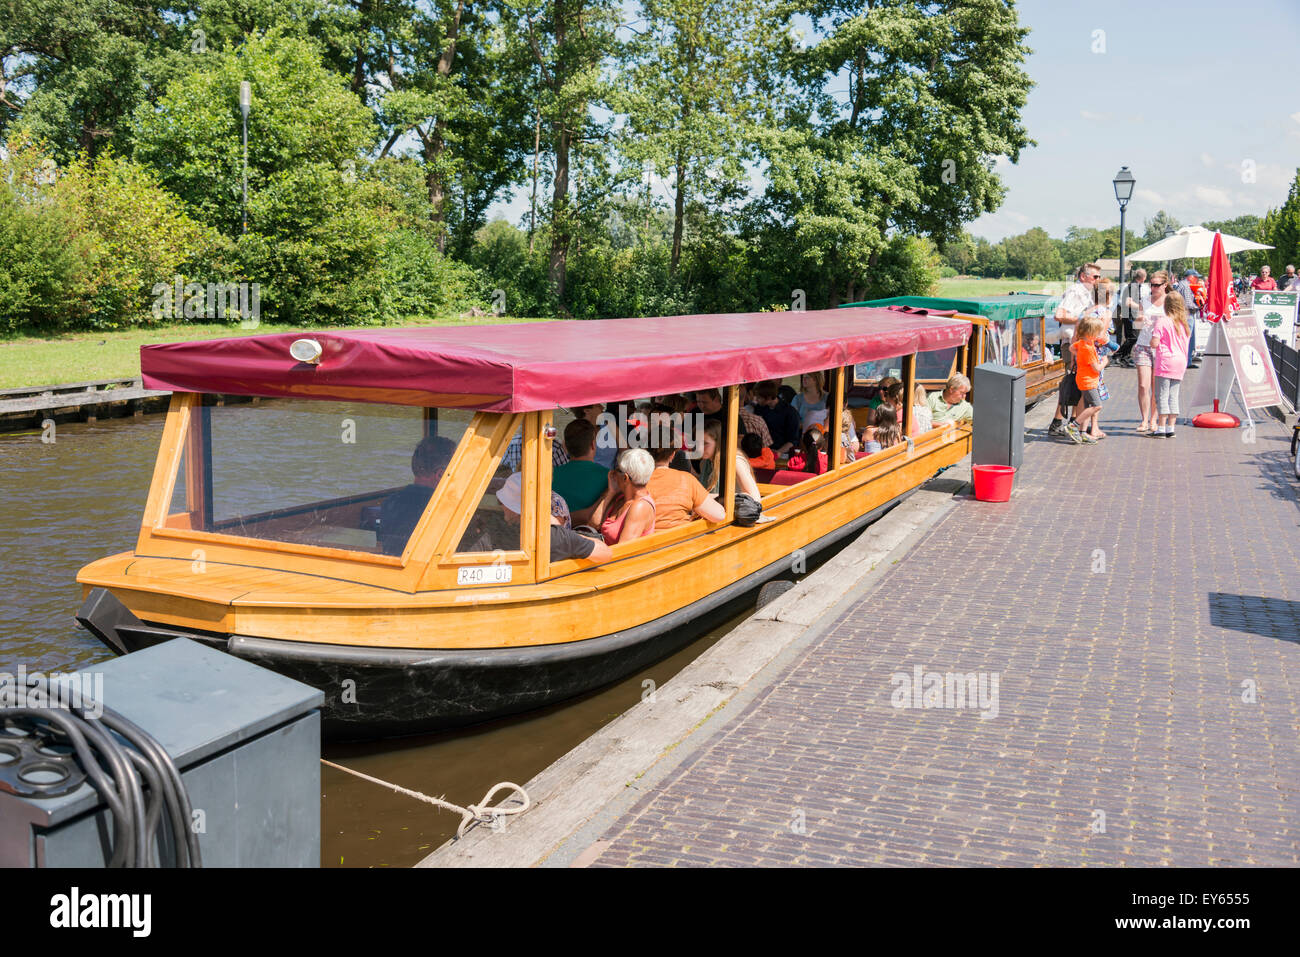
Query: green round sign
[{"x": 1273, "y": 319}]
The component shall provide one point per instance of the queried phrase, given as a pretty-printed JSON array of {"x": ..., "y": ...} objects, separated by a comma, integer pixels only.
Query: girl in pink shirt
[{"x": 1169, "y": 337}]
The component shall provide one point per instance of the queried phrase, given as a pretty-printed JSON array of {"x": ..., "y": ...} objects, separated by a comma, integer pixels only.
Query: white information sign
[{"x": 1277, "y": 313}]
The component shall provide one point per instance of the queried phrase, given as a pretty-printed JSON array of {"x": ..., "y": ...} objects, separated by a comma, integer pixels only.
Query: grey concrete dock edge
[{"x": 580, "y": 795}]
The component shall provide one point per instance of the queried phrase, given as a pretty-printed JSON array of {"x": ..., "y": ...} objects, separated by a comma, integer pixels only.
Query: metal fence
[{"x": 1286, "y": 361}]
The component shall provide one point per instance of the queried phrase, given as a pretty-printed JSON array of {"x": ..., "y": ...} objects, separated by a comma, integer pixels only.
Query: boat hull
[{"x": 376, "y": 692}]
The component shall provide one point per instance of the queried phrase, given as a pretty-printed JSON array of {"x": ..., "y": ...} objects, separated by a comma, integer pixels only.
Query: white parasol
[{"x": 1191, "y": 242}]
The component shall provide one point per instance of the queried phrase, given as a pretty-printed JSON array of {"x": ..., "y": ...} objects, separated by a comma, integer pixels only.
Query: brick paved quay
[{"x": 1128, "y": 598}]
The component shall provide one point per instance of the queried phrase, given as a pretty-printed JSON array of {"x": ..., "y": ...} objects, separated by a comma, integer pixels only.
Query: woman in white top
[
  {"x": 1152, "y": 307},
  {"x": 810, "y": 401}
]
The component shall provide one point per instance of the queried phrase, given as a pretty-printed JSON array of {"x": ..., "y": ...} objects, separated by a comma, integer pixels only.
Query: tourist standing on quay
[
  {"x": 1187, "y": 289},
  {"x": 1264, "y": 282},
  {"x": 1077, "y": 300},
  {"x": 1143, "y": 357},
  {"x": 1129, "y": 315},
  {"x": 1169, "y": 339}
]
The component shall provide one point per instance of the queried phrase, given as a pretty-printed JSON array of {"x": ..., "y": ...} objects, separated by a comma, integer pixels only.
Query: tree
[
  {"x": 302, "y": 115},
  {"x": 1153, "y": 229},
  {"x": 689, "y": 89},
  {"x": 570, "y": 41},
  {"x": 72, "y": 73},
  {"x": 1244, "y": 227},
  {"x": 934, "y": 94},
  {"x": 959, "y": 253},
  {"x": 1033, "y": 254},
  {"x": 444, "y": 81},
  {"x": 1280, "y": 229}
]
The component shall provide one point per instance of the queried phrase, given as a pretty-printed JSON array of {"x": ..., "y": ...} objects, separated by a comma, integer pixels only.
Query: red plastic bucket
[{"x": 993, "y": 482}]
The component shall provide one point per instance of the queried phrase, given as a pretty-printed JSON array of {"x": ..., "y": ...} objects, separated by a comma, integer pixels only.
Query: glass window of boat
[
  {"x": 494, "y": 525},
  {"x": 356, "y": 476},
  {"x": 934, "y": 366}
]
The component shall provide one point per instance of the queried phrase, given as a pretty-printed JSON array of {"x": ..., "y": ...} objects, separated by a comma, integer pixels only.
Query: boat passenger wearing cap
[{"x": 565, "y": 542}]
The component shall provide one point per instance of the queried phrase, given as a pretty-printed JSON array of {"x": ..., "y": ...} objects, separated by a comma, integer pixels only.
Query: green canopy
[{"x": 995, "y": 308}]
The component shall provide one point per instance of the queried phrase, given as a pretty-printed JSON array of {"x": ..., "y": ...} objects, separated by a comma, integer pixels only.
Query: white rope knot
[
  {"x": 481, "y": 813},
  {"x": 486, "y": 813}
]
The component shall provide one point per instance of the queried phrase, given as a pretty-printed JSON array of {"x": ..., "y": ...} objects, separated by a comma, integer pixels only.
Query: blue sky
[
  {"x": 1197, "y": 98},
  {"x": 1184, "y": 94}
]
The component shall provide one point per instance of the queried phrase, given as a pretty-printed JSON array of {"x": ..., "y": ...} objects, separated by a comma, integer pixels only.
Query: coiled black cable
[{"x": 137, "y": 779}]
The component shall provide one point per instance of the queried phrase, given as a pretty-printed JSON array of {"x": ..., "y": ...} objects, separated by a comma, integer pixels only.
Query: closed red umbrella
[
  {"x": 1220, "y": 304},
  {"x": 1220, "y": 297}
]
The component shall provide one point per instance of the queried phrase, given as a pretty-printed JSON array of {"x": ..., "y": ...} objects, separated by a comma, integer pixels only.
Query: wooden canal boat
[
  {"x": 1001, "y": 322},
  {"x": 263, "y": 531}
]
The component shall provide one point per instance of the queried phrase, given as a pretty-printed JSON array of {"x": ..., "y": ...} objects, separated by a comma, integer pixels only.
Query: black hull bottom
[{"x": 382, "y": 692}]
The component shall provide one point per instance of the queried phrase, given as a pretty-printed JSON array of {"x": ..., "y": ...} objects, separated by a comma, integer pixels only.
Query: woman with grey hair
[{"x": 626, "y": 511}]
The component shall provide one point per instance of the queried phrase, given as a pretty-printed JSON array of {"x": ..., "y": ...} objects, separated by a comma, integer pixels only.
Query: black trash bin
[{"x": 999, "y": 415}]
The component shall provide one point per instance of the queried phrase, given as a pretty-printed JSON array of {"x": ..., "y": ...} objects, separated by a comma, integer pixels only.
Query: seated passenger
[
  {"x": 921, "y": 421},
  {"x": 811, "y": 456},
  {"x": 399, "y": 513},
  {"x": 891, "y": 397},
  {"x": 626, "y": 511},
  {"x": 810, "y": 400},
  {"x": 782, "y": 420},
  {"x": 580, "y": 481},
  {"x": 757, "y": 456},
  {"x": 888, "y": 431},
  {"x": 1028, "y": 348},
  {"x": 679, "y": 497},
  {"x": 848, "y": 426},
  {"x": 606, "y": 445},
  {"x": 950, "y": 405},
  {"x": 565, "y": 542},
  {"x": 709, "y": 464},
  {"x": 882, "y": 388},
  {"x": 870, "y": 445}
]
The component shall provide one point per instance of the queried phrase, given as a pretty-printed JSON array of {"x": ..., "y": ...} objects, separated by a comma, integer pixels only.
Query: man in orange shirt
[{"x": 678, "y": 496}]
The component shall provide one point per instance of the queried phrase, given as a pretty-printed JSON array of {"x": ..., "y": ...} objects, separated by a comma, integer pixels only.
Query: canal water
[{"x": 68, "y": 502}]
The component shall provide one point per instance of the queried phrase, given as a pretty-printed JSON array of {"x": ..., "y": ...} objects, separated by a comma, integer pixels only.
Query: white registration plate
[{"x": 484, "y": 575}]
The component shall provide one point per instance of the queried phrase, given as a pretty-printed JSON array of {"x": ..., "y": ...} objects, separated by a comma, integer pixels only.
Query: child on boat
[
  {"x": 920, "y": 411},
  {"x": 811, "y": 456}
]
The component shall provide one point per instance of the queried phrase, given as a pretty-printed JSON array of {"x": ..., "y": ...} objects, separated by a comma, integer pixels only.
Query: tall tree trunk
[
  {"x": 436, "y": 145},
  {"x": 679, "y": 214},
  {"x": 560, "y": 212},
  {"x": 537, "y": 151},
  {"x": 563, "y": 141}
]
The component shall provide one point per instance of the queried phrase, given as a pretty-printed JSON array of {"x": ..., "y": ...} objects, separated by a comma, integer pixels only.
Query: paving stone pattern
[{"x": 1129, "y": 599}]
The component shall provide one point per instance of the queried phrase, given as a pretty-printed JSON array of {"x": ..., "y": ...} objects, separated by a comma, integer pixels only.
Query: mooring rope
[{"x": 480, "y": 813}]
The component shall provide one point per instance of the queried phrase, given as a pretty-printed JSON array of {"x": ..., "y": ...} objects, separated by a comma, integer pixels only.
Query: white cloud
[
  {"x": 1148, "y": 196},
  {"x": 1296, "y": 117},
  {"x": 1207, "y": 160},
  {"x": 1213, "y": 197},
  {"x": 1095, "y": 117}
]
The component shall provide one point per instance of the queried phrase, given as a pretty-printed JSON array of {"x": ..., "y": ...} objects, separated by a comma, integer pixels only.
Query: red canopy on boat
[{"x": 525, "y": 367}]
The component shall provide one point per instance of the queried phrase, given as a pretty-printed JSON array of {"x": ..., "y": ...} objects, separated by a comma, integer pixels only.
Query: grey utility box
[
  {"x": 999, "y": 410},
  {"x": 246, "y": 741}
]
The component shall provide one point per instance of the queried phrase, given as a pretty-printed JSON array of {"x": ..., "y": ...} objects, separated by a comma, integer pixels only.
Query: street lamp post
[
  {"x": 245, "y": 101},
  {"x": 1123, "y": 183}
]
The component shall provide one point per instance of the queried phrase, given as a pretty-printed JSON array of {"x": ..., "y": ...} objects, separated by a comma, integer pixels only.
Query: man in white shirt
[{"x": 1077, "y": 299}]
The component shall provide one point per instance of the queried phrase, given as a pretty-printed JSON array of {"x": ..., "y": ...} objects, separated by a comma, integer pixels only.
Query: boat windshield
[
  {"x": 355, "y": 476},
  {"x": 936, "y": 365}
]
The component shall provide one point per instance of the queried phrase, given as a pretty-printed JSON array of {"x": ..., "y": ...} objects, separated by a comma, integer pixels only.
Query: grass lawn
[
  {"x": 958, "y": 288},
  {"x": 83, "y": 357}
]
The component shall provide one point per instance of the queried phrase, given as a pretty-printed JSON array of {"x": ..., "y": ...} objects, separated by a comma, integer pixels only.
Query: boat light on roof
[{"x": 306, "y": 350}]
